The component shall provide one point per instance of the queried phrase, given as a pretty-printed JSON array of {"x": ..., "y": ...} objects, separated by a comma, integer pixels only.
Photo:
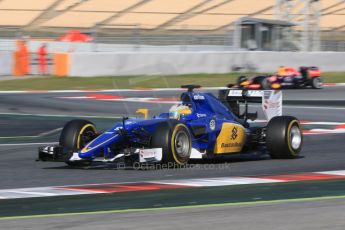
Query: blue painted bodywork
[{"x": 136, "y": 132}]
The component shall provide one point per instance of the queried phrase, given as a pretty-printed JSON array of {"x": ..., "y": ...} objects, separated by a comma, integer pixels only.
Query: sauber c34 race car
[
  {"x": 199, "y": 126},
  {"x": 286, "y": 77}
]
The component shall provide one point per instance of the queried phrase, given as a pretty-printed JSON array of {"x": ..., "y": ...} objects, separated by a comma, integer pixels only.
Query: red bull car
[{"x": 286, "y": 77}]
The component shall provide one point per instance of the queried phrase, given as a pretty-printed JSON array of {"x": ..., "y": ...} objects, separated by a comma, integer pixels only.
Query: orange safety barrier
[{"x": 61, "y": 64}]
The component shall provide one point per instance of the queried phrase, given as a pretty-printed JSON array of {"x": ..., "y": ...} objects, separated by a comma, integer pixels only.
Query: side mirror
[{"x": 143, "y": 111}]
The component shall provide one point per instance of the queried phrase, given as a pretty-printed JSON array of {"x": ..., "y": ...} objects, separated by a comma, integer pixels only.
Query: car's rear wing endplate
[
  {"x": 271, "y": 100},
  {"x": 254, "y": 96}
]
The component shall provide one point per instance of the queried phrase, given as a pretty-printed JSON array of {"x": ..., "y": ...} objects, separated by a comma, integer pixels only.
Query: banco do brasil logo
[{"x": 234, "y": 133}]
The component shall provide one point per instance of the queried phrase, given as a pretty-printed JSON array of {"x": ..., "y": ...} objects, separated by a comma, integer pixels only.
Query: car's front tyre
[
  {"x": 316, "y": 83},
  {"x": 74, "y": 136},
  {"x": 175, "y": 140}
]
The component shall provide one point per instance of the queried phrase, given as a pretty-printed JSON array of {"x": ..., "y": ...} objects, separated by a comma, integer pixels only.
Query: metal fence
[{"x": 141, "y": 40}]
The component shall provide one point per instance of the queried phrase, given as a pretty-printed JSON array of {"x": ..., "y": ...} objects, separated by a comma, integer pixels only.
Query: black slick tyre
[
  {"x": 284, "y": 137},
  {"x": 175, "y": 140},
  {"x": 74, "y": 136}
]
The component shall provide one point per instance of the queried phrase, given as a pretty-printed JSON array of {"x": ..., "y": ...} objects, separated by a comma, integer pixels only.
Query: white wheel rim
[
  {"x": 182, "y": 144},
  {"x": 318, "y": 83},
  {"x": 295, "y": 137}
]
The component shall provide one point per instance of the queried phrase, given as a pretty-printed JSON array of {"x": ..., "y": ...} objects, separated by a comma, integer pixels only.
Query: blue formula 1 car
[{"x": 200, "y": 126}]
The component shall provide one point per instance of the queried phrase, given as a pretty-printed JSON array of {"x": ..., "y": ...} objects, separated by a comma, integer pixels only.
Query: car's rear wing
[{"x": 271, "y": 101}]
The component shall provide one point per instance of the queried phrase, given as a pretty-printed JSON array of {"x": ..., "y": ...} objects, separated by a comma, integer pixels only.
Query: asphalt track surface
[
  {"x": 320, "y": 152},
  {"x": 19, "y": 169},
  {"x": 54, "y": 103},
  {"x": 306, "y": 215}
]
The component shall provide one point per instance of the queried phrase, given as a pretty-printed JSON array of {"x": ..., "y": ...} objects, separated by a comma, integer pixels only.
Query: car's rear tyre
[
  {"x": 316, "y": 83},
  {"x": 74, "y": 136},
  {"x": 175, "y": 140},
  {"x": 284, "y": 137}
]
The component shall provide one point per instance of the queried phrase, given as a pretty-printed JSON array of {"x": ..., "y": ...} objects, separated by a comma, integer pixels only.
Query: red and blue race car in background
[{"x": 286, "y": 77}]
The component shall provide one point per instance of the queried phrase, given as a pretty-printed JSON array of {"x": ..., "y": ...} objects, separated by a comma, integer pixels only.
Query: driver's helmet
[{"x": 177, "y": 110}]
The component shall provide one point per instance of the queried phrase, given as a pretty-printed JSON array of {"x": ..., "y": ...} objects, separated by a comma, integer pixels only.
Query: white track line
[
  {"x": 222, "y": 181},
  {"x": 327, "y": 131},
  {"x": 61, "y": 115},
  {"x": 337, "y": 172},
  {"x": 18, "y": 137},
  {"x": 49, "y": 132},
  {"x": 322, "y": 123},
  {"x": 307, "y": 107},
  {"x": 28, "y": 144},
  {"x": 313, "y": 107},
  {"x": 36, "y": 136},
  {"x": 102, "y": 90},
  {"x": 120, "y": 90}
]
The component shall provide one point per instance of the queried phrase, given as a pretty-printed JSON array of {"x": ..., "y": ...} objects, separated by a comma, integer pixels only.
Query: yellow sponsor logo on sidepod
[{"x": 230, "y": 139}]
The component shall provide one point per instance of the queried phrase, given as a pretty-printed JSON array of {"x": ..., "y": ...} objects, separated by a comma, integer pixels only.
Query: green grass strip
[{"x": 132, "y": 82}]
